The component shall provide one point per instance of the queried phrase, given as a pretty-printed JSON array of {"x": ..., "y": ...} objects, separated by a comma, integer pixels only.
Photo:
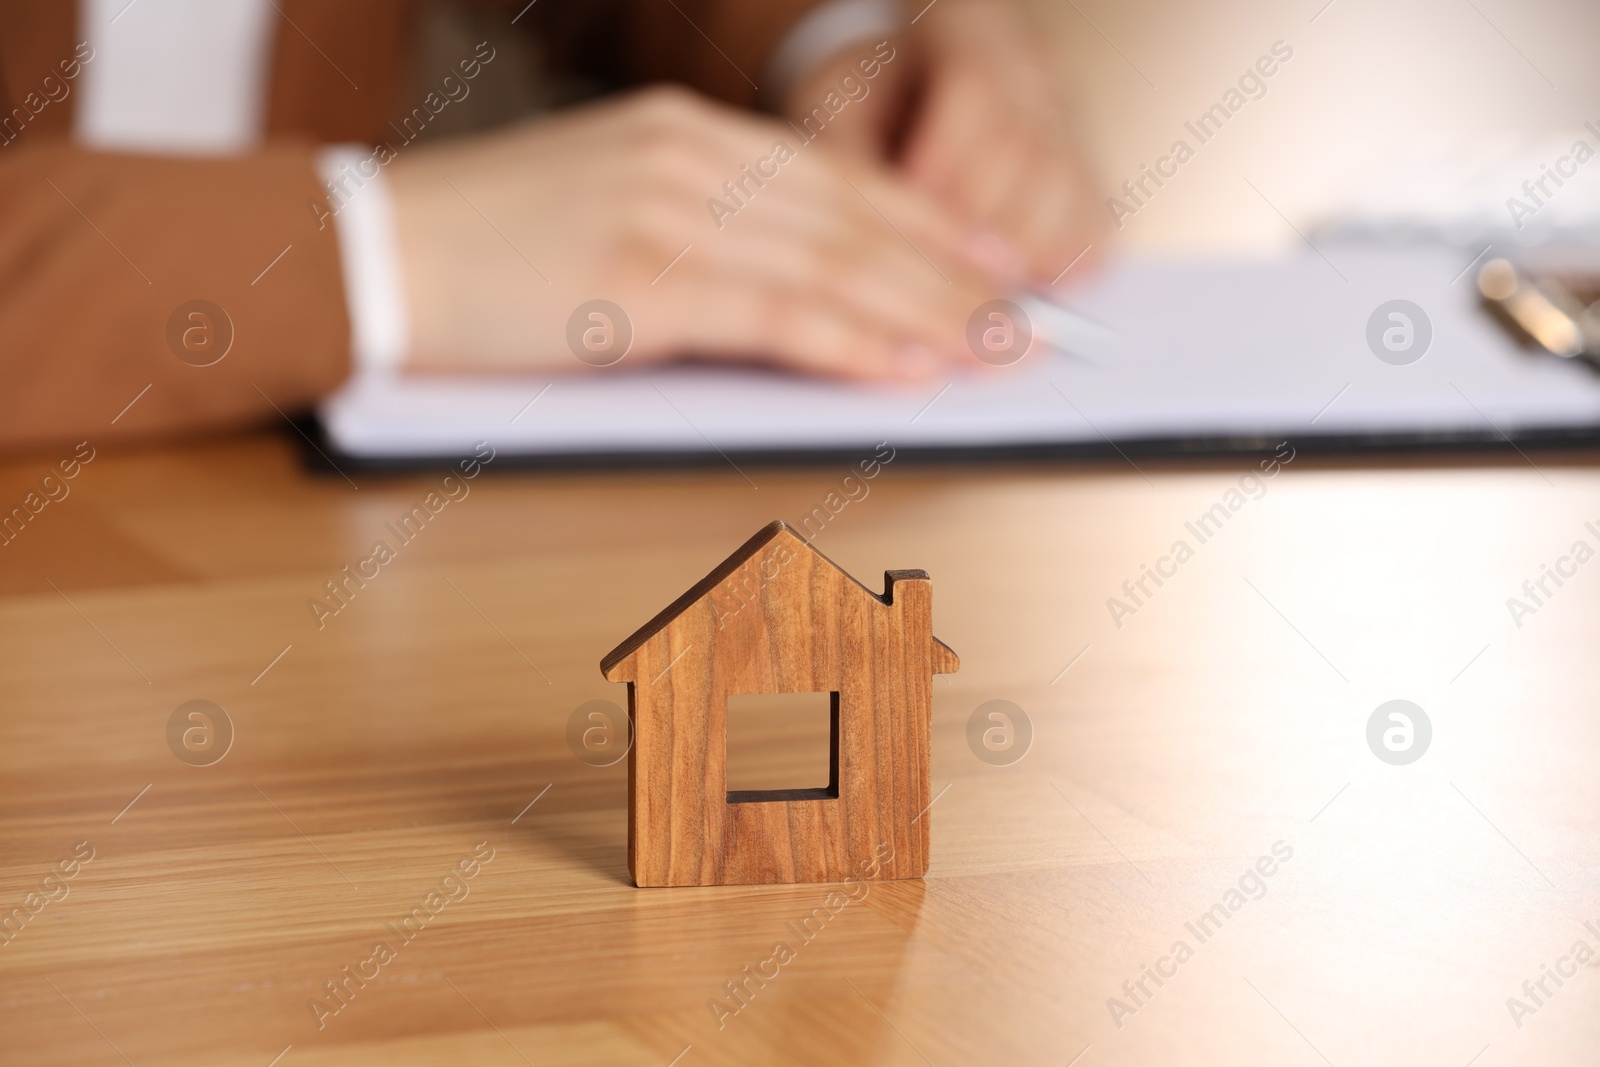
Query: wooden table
[{"x": 1225, "y": 719}]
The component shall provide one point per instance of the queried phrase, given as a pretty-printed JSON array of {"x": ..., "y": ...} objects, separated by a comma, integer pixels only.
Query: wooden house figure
[{"x": 778, "y": 616}]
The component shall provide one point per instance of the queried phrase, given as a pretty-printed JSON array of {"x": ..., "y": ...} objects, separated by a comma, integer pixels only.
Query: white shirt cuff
[
  {"x": 369, "y": 257},
  {"x": 822, "y": 32}
]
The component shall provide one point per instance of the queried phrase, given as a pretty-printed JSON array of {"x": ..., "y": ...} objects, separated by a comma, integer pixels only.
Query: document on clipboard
[{"x": 1348, "y": 346}]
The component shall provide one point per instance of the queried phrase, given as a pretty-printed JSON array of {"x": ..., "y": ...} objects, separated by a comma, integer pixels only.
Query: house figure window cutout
[
  {"x": 801, "y": 709},
  {"x": 778, "y": 616}
]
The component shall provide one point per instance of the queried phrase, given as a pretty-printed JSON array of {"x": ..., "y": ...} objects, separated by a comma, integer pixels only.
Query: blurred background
[{"x": 1429, "y": 110}]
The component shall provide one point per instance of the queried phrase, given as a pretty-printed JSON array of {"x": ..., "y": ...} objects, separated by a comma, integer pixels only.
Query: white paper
[{"x": 1204, "y": 350}]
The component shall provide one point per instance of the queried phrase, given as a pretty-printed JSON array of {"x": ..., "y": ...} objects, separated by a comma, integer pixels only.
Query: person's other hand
[
  {"x": 831, "y": 264},
  {"x": 971, "y": 111}
]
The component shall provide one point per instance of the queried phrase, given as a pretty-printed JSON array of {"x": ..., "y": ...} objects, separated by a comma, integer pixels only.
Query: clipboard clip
[{"x": 1560, "y": 314}]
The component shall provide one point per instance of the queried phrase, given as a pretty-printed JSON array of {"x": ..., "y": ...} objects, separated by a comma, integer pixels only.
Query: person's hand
[
  {"x": 971, "y": 111},
  {"x": 830, "y": 265}
]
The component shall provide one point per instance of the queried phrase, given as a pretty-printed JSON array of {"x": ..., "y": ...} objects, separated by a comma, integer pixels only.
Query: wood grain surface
[
  {"x": 422, "y": 733},
  {"x": 778, "y": 617}
]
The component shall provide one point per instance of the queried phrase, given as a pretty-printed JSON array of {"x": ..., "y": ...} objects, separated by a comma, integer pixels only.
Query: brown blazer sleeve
[{"x": 98, "y": 253}]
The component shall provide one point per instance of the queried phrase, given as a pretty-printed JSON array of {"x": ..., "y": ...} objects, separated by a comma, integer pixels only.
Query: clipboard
[{"x": 1209, "y": 358}]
